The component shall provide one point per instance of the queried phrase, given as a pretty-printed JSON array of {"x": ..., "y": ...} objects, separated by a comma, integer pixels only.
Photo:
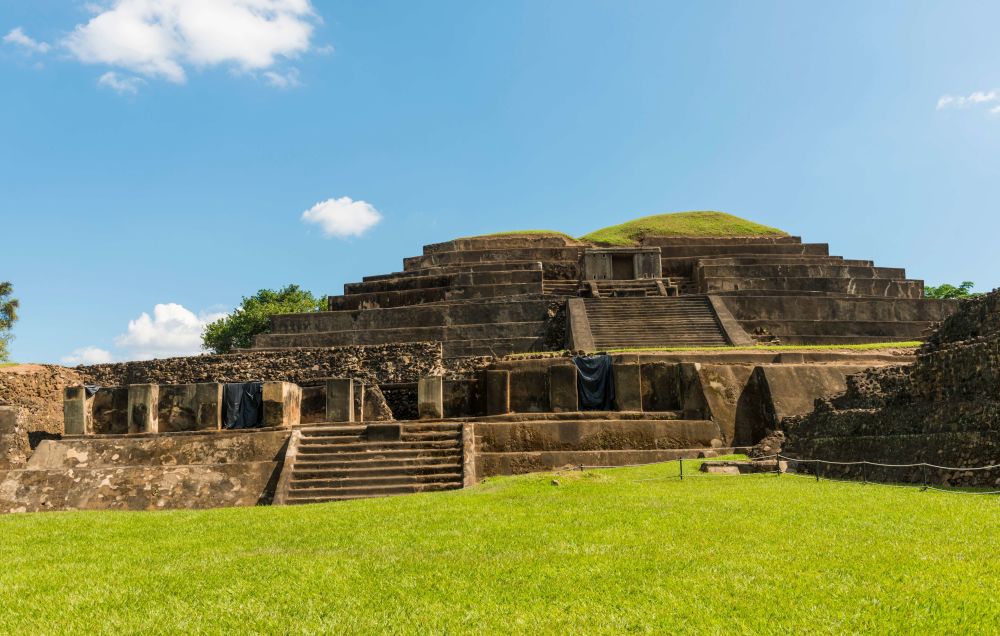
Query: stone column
[
  {"x": 498, "y": 392},
  {"x": 282, "y": 404},
  {"x": 340, "y": 400},
  {"x": 563, "y": 388},
  {"x": 430, "y": 397},
  {"x": 75, "y": 416},
  {"x": 143, "y": 405},
  {"x": 628, "y": 387},
  {"x": 209, "y": 400}
]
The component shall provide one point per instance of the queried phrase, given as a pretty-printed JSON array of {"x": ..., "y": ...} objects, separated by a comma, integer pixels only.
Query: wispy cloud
[
  {"x": 977, "y": 98},
  {"x": 19, "y": 38},
  {"x": 121, "y": 84},
  {"x": 87, "y": 355},
  {"x": 287, "y": 79}
]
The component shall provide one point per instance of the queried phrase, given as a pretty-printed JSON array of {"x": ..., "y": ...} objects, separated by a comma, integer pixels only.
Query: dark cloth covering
[
  {"x": 595, "y": 382},
  {"x": 91, "y": 389},
  {"x": 242, "y": 405}
]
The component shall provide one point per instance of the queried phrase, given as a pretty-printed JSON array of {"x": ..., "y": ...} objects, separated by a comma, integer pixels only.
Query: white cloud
[
  {"x": 121, "y": 84},
  {"x": 17, "y": 36},
  {"x": 164, "y": 38},
  {"x": 87, "y": 355},
  {"x": 342, "y": 217},
  {"x": 172, "y": 330},
  {"x": 963, "y": 101},
  {"x": 288, "y": 79}
]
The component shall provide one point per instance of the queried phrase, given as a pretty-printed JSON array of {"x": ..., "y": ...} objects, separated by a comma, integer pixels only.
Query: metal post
[
  {"x": 816, "y": 469},
  {"x": 923, "y": 471},
  {"x": 680, "y": 460},
  {"x": 864, "y": 472}
]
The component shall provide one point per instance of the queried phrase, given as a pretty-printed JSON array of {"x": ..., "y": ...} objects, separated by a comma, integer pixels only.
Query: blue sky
[{"x": 153, "y": 160}]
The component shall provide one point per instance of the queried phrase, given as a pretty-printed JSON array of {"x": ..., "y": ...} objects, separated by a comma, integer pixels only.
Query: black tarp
[
  {"x": 595, "y": 382},
  {"x": 242, "y": 405}
]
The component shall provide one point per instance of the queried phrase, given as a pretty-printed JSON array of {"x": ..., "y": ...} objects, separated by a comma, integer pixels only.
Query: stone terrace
[{"x": 496, "y": 295}]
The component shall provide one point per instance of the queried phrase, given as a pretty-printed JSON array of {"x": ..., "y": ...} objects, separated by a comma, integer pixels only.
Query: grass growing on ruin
[
  {"x": 696, "y": 224},
  {"x": 515, "y": 233},
  {"x": 870, "y": 346},
  {"x": 623, "y": 550}
]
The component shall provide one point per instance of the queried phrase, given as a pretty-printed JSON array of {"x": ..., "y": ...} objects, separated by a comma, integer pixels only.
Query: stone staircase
[
  {"x": 684, "y": 321},
  {"x": 337, "y": 462}
]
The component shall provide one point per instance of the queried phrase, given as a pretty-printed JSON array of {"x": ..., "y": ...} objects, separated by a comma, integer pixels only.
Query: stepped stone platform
[
  {"x": 331, "y": 462},
  {"x": 503, "y": 294}
]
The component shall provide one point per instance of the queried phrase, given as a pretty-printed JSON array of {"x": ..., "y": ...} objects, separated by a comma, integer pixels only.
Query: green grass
[
  {"x": 869, "y": 346},
  {"x": 516, "y": 233},
  {"x": 615, "y": 551},
  {"x": 696, "y": 224}
]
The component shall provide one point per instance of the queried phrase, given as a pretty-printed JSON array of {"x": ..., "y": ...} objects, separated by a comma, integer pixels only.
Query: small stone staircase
[
  {"x": 683, "y": 321},
  {"x": 337, "y": 462},
  {"x": 561, "y": 287}
]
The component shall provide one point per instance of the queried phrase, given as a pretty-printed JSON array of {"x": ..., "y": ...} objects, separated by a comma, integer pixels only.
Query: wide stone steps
[
  {"x": 356, "y": 479},
  {"x": 651, "y": 322},
  {"x": 376, "y": 455},
  {"x": 333, "y": 463},
  {"x": 323, "y": 495}
]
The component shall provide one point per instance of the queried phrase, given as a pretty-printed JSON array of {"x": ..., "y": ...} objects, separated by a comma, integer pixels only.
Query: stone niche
[
  {"x": 622, "y": 263},
  {"x": 109, "y": 410},
  {"x": 190, "y": 407}
]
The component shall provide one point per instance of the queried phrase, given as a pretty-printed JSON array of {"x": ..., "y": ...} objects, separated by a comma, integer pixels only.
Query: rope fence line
[{"x": 816, "y": 474}]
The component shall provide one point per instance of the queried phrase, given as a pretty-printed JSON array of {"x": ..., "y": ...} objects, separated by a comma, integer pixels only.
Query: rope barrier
[{"x": 816, "y": 463}]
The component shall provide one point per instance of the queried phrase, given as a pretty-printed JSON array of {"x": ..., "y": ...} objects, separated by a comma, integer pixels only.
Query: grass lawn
[
  {"x": 699, "y": 223},
  {"x": 622, "y": 550}
]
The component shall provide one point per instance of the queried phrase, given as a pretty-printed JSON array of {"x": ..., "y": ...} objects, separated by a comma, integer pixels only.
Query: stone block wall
[
  {"x": 373, "y": 363},
  {"x": 943, "y": 410}
]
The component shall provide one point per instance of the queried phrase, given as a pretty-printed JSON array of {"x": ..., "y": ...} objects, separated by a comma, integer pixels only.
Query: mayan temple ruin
[{"x": 483, "y": 356}]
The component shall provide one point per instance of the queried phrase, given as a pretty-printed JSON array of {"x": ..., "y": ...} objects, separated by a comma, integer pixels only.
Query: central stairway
[
  {"x": 683, "y": 321},
  {"x": 337, "y": 462}
]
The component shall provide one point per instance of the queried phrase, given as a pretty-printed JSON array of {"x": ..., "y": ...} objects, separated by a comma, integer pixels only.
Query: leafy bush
[
  {"x": 253, "y": 316},
  {"x": 947, "y": 291},
  {"x": 8, "y": 316}
]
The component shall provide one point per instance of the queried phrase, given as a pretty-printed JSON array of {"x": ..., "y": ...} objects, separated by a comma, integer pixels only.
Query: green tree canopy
[
  {"x": 947, "y": 291},
  {"x": 253, "y": 316},
  {"x": 8, "y": 316}
]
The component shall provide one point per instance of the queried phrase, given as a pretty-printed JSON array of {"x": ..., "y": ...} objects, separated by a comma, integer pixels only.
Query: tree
[
  {"x": 947, "y": 291},
  {"x": 253, "y": 316},
  {"x": 8, "y": 316}
]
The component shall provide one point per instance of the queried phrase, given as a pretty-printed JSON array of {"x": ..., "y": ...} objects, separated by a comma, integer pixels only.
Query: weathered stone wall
[
  {"x": 194, "y": 470},
  {"x": 373, "y": 364},
  {"x": 38, "y": 390},
  {"x": 942, "y": 410}
]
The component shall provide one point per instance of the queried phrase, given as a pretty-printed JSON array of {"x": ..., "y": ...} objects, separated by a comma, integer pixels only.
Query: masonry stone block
[
  {"x": 8, "y": 419},
  {"x": 359, "y": 400},
  {"x": 109, "y": 411},
  {"x": 497, "y": 392},
  {"x": 430, "y": 397},
  {"x": 340, "y": 400},
  {"x": 76, "y": 415},
  {"x": 628, "y": 387},
  {"x": 563, "y": 388},
  {"x": 143, "y": 408},
  {"x": 189, "y": 407},
  {"x": 282, "y": 404}
]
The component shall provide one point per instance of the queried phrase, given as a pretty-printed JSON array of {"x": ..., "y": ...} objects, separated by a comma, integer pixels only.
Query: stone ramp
[
  {"x": 685, "y": 321},
  {"x": 336, "y": 462},
  {"x": 152, "y": 472}
]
